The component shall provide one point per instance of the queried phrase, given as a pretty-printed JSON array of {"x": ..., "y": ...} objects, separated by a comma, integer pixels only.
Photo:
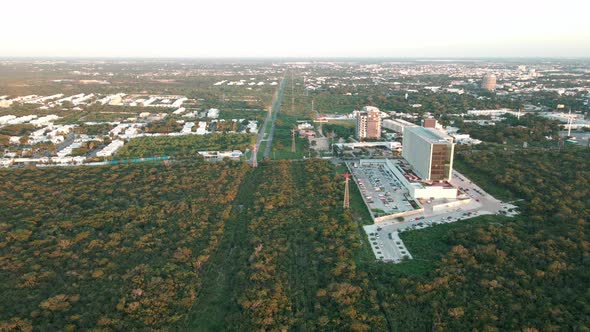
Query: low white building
[
  {"x": 70, "y": 98},
  {"x": 419, "y": 191},
  {"x": 387, "y": 145},
  {"x": 6, "y": 118},
  {"x": 188, "y": 128},
  {"x": 179, "y": 102},
  {"x": 218, "y": 155},
  {"x": 110, "y": 149},
  {"x": 213, "y": 113},
  {"x": 179, "y": 111},
  {"x": 304, "y": 126},
  {"x": 22, "y": 119},
  {"x": 397, "y": 125},
  {"x": 252, "y": 126},
  {"x": 465, "y": 139},
  {"x": 45, "y": 120},
  {"x": 202, "y": 128},
  {"x": 494, "y": 113}
]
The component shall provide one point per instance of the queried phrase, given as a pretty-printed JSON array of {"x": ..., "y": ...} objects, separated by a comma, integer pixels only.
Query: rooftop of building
[
  {"x": 431, "y": 135},
  {"x": 400, "y": 121},
  {"x": 370, "y": 109}
]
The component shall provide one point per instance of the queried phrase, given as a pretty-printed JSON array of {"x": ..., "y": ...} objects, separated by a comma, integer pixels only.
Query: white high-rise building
[
  {"x": 368, "y": 123},
  {"x": 429, "y": 152}
]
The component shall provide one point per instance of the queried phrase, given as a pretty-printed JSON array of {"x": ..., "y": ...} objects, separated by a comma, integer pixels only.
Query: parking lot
[
  {"x": 384, "y": 236},
  {"x": 383, "y": 193},
  {"x": 387, "y": 246}
]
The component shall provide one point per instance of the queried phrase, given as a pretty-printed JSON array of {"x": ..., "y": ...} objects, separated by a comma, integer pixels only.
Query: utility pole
[{"x": 346, "y": 204}]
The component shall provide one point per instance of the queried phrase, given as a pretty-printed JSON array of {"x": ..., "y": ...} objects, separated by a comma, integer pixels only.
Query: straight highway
[
  {"x": 276, "y": 107},
  {"x": 270, "y": 116}
]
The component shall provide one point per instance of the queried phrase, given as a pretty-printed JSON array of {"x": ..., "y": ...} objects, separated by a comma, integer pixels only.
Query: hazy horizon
[{"x": 454, "y": 29}]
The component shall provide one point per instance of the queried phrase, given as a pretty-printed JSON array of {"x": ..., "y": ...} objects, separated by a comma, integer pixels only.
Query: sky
[{"x": 302, "y": 28}]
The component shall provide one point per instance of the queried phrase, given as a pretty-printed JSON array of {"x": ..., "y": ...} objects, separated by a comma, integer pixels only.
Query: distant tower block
[
  {"x": 346, "y": 204},
  {"x": 293, "y": 147},
  {"x": 430, "y": 123},
  {"x": 368, "y": 123},
  {"x": 489, "y": 82}
]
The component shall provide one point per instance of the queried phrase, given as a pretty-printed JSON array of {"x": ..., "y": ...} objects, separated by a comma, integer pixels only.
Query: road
[
  {"x": 269, "y": 117},
  {"x": 276, "y": 108},
  {"x": 260, "y": 137}
]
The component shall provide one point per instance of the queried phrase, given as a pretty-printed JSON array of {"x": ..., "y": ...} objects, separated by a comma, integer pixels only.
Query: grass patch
[
  {"x": 343, "y": 123},
  {"x": 217, "y": 296},
  {"x": 184, "y": 146},
  {"x": 281, "y": 145},
  {"x": 429, "y": 245},
  {"x": 260, "y": 152}
]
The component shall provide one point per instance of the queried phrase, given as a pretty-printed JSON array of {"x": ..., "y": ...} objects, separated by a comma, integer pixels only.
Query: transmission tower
[
  {"x": 293, "y": 147},
  {"x": 255, "y": 157},
  {"x": 346, "y": 204}
]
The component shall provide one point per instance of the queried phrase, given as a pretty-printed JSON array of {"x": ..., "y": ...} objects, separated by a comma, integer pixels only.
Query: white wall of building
[{"x": 418, "y": 153}]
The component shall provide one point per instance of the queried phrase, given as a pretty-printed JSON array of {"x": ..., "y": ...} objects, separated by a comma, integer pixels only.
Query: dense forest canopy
[
  {"x": 116, "y": 248},
  {"x": 223, "y": 246}
]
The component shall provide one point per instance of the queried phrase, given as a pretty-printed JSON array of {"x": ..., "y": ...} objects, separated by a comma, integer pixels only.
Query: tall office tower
[
  {"x": 429, "y": 152},
  {"x": 489, "y": 82},
  {"x": 368, "y": 123}
]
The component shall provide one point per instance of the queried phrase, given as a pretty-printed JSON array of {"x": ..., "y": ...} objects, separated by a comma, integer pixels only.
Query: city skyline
[{"x": 307, "y": 29}]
